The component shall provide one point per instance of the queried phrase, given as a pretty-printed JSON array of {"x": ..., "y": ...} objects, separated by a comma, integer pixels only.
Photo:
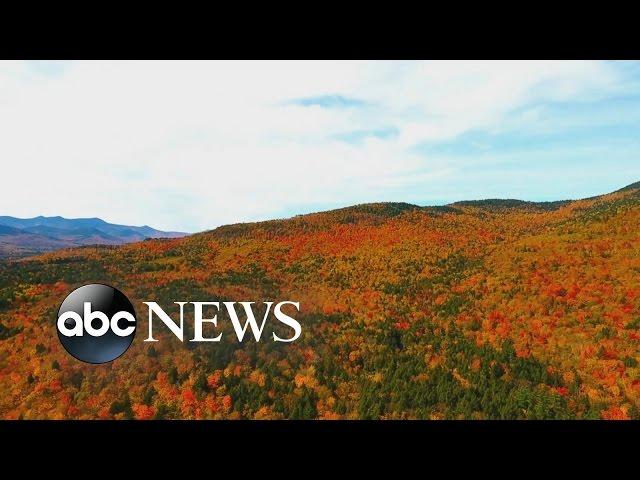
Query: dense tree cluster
[{"x": 493, "y": 309}]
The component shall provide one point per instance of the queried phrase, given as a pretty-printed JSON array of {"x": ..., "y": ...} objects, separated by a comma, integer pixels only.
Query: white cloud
[{"x": 192, "y": 145}]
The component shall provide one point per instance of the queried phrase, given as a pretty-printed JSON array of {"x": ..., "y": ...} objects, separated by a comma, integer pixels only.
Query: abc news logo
[{"x": 97, "y": 323}]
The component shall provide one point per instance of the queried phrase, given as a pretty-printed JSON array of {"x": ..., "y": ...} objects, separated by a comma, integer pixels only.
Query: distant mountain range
[{"x": 27, "y": 236}]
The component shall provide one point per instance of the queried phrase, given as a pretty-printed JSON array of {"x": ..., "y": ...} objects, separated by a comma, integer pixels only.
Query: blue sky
[{"x": 193, "y": 145}]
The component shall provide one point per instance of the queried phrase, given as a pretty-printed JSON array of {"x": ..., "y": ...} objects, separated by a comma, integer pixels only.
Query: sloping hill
[
  {"x": 15, "y": 242},
  {"x": 466, "y": 311}
]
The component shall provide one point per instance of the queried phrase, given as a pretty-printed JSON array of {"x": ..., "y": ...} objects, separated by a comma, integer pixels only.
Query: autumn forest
[{"x": 493, "y": 309}]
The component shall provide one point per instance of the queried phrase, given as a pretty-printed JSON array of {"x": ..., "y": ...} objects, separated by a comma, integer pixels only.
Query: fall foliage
[{"x": 490, "y": 309}]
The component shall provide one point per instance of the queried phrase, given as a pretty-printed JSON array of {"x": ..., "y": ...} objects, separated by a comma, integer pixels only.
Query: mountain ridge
[
  {"x": 384, "y": 210},
  {"x": 25, "y": 236},
  {"x": 32, "y": 235}
]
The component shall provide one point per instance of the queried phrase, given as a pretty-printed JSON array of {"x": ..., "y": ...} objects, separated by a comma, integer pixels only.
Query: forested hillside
[{"x": 491, "y": 309}]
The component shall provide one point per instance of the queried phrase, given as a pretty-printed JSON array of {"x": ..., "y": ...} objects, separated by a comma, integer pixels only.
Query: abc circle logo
[{"x": 96, "y": 323}]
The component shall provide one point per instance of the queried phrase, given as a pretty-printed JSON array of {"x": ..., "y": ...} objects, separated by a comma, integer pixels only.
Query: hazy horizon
[
  {"x": 317, "y": 211},
  {"x": 189, "y": 146}
]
